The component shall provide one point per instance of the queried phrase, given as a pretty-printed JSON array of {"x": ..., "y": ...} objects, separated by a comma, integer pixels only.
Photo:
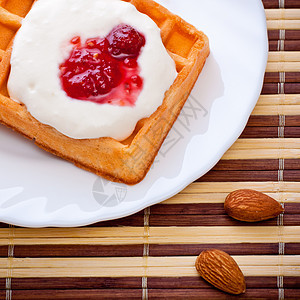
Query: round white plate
[{"x": 38, "y": 189}]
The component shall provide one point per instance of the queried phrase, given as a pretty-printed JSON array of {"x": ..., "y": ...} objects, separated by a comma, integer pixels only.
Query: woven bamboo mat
[{"x": 151, "y": 254}]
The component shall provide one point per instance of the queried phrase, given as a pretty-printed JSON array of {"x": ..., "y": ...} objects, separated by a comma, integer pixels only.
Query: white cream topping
[{"x": 42, "y": 44}]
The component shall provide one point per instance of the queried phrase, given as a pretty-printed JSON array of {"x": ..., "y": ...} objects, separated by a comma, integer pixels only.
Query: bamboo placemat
[{"x": 151, "y": 254}]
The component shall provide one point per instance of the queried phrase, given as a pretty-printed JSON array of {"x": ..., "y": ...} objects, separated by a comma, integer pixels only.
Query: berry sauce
[{"x": 105, "y": 70}]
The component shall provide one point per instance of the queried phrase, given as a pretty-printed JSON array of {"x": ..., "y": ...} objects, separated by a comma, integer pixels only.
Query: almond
[
  {"x": 251, "y": 206},
  {"x": 220, "y": 269}
]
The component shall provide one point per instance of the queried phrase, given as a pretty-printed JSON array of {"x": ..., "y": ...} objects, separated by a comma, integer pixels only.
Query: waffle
[{"x": 127, "y": 161}]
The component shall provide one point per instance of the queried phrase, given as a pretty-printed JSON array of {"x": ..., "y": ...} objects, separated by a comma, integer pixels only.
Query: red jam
[{"x": 105, "y": 70}]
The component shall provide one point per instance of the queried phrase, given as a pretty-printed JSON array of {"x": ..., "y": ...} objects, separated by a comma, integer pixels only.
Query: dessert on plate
[{"x": 100, "y": 82}]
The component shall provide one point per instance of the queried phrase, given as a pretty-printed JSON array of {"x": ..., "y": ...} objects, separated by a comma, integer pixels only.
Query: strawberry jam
[{"x": 105, "y": 70}]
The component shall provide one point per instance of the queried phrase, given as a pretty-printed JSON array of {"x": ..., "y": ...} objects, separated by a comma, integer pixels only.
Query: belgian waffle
[{"x": 127, "y": 161}]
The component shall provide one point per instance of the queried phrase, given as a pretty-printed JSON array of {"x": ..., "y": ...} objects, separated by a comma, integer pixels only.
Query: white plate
[{"x": 38, "y": 189}]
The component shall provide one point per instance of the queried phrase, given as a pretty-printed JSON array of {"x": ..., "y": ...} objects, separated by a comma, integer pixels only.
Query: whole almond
[
  {"x": 220, "y": 269},
  {"x": 251, "y": 206}
]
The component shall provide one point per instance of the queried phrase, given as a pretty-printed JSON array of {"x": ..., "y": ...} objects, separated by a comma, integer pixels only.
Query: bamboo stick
[
  {"x": 220, "y": 198},
  {"x": 278, "y": 4},
  {"x": 238, "y": 231},
  {"x": 262, "y": 154},
  {"x": 274, "y": 35},
  {"x": 245, "y": 176},
  {"x": 87, "y": 232},
  {"x": 76, "y": 241},
  {"x": 289, "y": 131},
  {"x": 205, "y": 212},
  {"x": 103, "y": 250},
  {"x": 159, "y": 293},
  {"x": 269, "y": 131},
  {"x": 270, "y": 88},
  {"x": 232, "y": 249},
  {"x": 77, "y": 272},
  {"x": 268, "y": 260},
  {"x": 97, "y": 283},
  {"x": 279, "y": 99},
  {"x": 227, "y": 187},
  {"x": 283, "y": 66},
  {"x": 192, "y": 219},
  {"x": 37, "y": 251},
  {"x": 256, "y": 282},
  {"x": 286, "y": 78},
  {"x": 196, "y": 198},
  {"x": 123, "y": 262},
  {"x": 289, "y": 121},
  {"x": 159, "y": 233},
  {"x": 290, "y": 34},
  {"x": 143, "y": 272},
  {"x": 178, "y": 261},
  {"x": 276, "y": 110},
  {"x": 155, "y": 283},
  {"x": 283, "y": 24},
  {"x": 175, "y": 235},
  {"x": 284, "y": 56},
  {"x": 258, "y": 164},
  {"x": 287, "y": 45},
  {"x": 218, "y": 219},
  {"x": 268, "y": 121},
  {"x": 122, "y": 232},
  {"x": 97, "y": 232},
  {"x": 98, "y": 293},
  {"x": 281, "y": 13},
  {"x": 279, "y": 143}
]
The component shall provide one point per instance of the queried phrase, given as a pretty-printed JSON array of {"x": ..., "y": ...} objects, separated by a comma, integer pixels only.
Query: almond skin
[
  {"x": 251, "y": 206},
  {"x": 220, "y": 269}
]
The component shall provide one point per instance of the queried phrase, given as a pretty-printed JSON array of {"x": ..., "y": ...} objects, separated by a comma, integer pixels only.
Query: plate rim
[{"x": 141, "y": 205}]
